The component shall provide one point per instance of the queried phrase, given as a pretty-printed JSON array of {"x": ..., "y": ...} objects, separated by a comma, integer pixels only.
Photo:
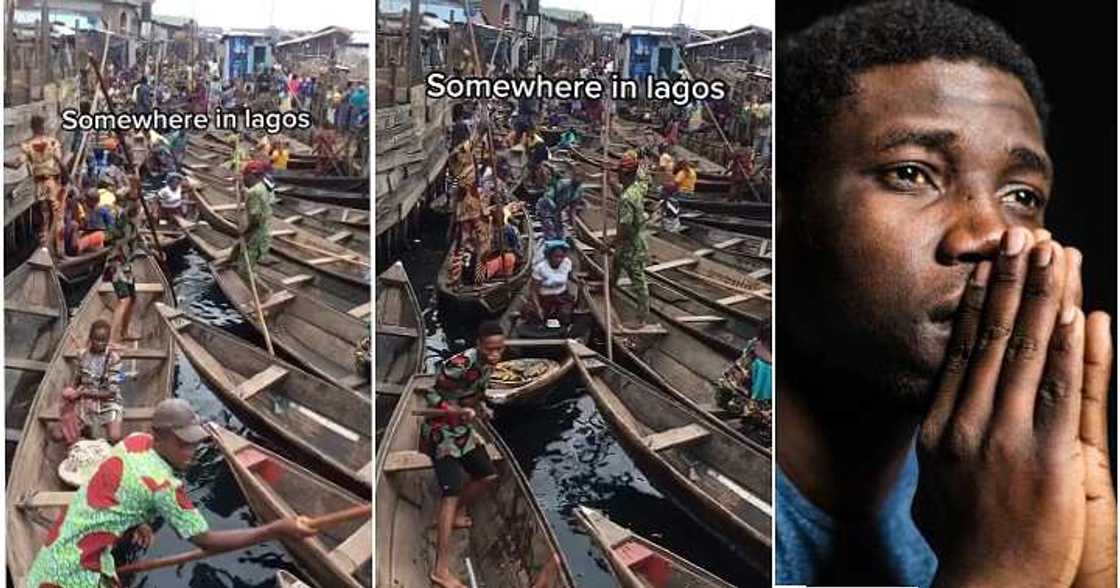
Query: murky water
[
  {"x": 571, "y": 458},
  {"x": 211, "y": 485}
]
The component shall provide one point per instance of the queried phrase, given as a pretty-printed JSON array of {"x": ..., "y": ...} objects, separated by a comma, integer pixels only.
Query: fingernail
[
  {"x": 1042, "y": 255},
  {"x": 981, "y": 273},
  {"x": 1069, "y": 312},
  {"x": 1013, "y": 242}
]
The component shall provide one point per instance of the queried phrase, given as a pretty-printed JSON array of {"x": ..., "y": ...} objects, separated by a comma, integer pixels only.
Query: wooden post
[
  {"x": 415, "y": 69},
  {"x": 45, "y": 41}
]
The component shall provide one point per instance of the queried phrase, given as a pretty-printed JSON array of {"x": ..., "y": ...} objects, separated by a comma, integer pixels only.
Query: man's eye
[
  {"x": 1025, "y": 198},
  {"x": 907, "y": 177}
]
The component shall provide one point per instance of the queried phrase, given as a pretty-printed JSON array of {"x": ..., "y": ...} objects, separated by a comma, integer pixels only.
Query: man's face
[
  {"x": 490, "y": 348},
  {"x": 920, "y": 173},
  {"x": 180, "y": 454}
]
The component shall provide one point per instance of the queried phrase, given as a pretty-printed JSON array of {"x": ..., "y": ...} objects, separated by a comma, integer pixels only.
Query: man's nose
[{"x": 975, "y": 225}]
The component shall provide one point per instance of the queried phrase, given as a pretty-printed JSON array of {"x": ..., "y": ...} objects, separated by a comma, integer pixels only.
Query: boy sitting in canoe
[
  {"x": 93, "y": 399},
  {"x": 136, "y": 483},
  {"x": 462, "y": 465}
]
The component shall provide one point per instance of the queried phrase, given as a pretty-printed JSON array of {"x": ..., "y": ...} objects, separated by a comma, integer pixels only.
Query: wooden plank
[
  {"x": 689, "y": 433},
  {"x": 48, "y": 499},
  {"x": 366, "y": 471},
  {"x": 406, "y": 461},
  {"x": 355, "y": 550},
  {"x": 128, "y": 353},
  {"x": 26, "y": 365},
  {"x": 396, "y": 330},
  {"x": 130, "y": 414},
  {"x": 295, "y": 218},
  {"x": 316, "y": 211},
  {"x": 672, "y": 264},
  {"x": 297, "y": 279},
  {"x": 735, "y": 299},
  {"x": 282, "y": 232},
  {"x": 223, "y": 207},
  {"x": 360, "y": 311},
  {"x": 141, "y": 287},
  {"x": 700, "y": 318},
  {"x": 277, "y": 299},
  {"x": 327, "y": 259},
  {"x": 35, "y": 309},
  {"x": 728, "y": 243},
  {"x": 339, "y": 236},
  {"x": 261, "y": 380}
]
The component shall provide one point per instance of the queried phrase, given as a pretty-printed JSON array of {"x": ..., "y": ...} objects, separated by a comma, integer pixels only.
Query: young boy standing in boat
[
  {"x": 462, "y": 465},
  {"x": 136, "y": 483}
]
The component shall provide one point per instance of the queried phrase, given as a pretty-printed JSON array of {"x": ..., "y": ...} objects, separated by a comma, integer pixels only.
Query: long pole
[
  {"x": 606, "y": 136},
  {"x": 132, "y": 167},
  {"x": 92, "y": 109},
  {"x": 342, "y": 516},
  {"x": 245, "y": 255}
]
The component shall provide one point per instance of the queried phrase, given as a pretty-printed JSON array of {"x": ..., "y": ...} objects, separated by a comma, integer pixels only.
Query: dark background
[{"x": 1075, "y": 52}]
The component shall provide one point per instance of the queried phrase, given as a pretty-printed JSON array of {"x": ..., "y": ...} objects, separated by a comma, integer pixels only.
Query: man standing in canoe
[
  {"x": 42, "y": 154},
  {"x": 133, "y": 485},
  {"x": 463, "y": 467},
  {"x": 258, "y": 209},
  {"x": 632, "y": 253}
]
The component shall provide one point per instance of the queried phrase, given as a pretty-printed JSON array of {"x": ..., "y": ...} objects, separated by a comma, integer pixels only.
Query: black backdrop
[{"x": 1074, "y": 48}]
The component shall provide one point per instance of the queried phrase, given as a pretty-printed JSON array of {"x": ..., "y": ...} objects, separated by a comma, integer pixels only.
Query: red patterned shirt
[{"x": 132, "y": 486}]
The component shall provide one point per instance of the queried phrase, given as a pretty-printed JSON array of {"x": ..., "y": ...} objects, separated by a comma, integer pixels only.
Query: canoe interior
[
  {"x": 638, "y": 562},
  {"x": 290, "y": 241},
  {"x": 315, "y": 335},
  {"x": 35, "y": 317},
  {"x": 286, "y": 579},
  {"x": 338, "y": 294},
  {"x": 510, "y": 547},
  {"x": 328, "y": 422},
  {"x": 399, "y": 328},
  {"x": 495, "y": 295},
  {"x": 716, "y": 284},
  {"x": 726, "y": 481},
  {"x": 34, "y": 478},
  {"x": 276, "y": 487}
]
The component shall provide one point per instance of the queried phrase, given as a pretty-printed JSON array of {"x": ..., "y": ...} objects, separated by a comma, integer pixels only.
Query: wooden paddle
[{"x": 342, "y": 516}]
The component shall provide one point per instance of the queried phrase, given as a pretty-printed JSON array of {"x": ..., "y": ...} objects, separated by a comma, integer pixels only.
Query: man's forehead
[{"x": 965, "y": 96}]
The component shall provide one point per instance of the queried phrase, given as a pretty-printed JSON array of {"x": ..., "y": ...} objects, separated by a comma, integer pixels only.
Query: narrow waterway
[{"x": 569, "y": 454}]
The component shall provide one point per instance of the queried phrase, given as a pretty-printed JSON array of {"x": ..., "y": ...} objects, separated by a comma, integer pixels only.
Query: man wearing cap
[
  {"x": 136, "y": 483},
  {"x": 258, "y": 207},
  {"x": 632, "y": 253}
]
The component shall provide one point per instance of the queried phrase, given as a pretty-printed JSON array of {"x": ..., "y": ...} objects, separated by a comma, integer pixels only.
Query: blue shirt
[{"x": 806, "y": 536}]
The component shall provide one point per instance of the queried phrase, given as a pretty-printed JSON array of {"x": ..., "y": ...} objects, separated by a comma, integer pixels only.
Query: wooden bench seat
[
  {"x": 259, "y": 381},
  {"x": 662, "y": 440}
]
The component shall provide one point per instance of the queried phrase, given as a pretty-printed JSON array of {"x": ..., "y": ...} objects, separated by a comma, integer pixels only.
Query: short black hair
[
  {"x": 816, "y": 66},
  {"x": 489, "y": 329}
]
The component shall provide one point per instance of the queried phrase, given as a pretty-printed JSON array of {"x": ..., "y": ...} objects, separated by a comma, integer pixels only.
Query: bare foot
[
  {"x": 463, "y": 521},
  {"x": 446, "y": 580}
]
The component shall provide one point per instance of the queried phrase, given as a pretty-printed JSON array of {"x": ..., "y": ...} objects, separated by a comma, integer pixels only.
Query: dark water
[
  {"x": 570, "y": 456},
  {"x": 211, "y": 485}
]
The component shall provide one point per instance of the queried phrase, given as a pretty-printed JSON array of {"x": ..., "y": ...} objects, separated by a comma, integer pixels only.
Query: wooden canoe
[
  {"x": 536, "y": 391},
  {"x": 288, "y": 240},
  {"x": 492, "y": 297},
  {"x": 81, "y": 267},
  {"x": 285, "y": 579},
  {"x": 724, "y": 252},
  {"x": 317, "y": 336},
  {"x": 723, "y": 288},
  {"x": 720, "y": 479},
  {"x": 275, "y": 488},
  {"x": 323, "y": 421},
  {"x": 311, "y": 179},
  {"x": 331, "y": 213},
  {"x": 399, "y": 327},
  {"x": 355, "y": 200},
  {"x": 512, "y": 544},
  {"x": 338, "y": 294},
  {"x": 35, "y": 493},
  {"x": 289, "y": 210},
  {"x": 35, "y": 317},
  {"x": 685, "y": 355},
  {"x": 633, "y": 558}
]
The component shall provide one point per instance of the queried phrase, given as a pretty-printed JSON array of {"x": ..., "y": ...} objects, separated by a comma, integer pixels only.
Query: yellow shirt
[
  {"x": 280, "y": 159},
  {"x": 106, "y": 198},
  {"x": 686, "y": 180}
]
